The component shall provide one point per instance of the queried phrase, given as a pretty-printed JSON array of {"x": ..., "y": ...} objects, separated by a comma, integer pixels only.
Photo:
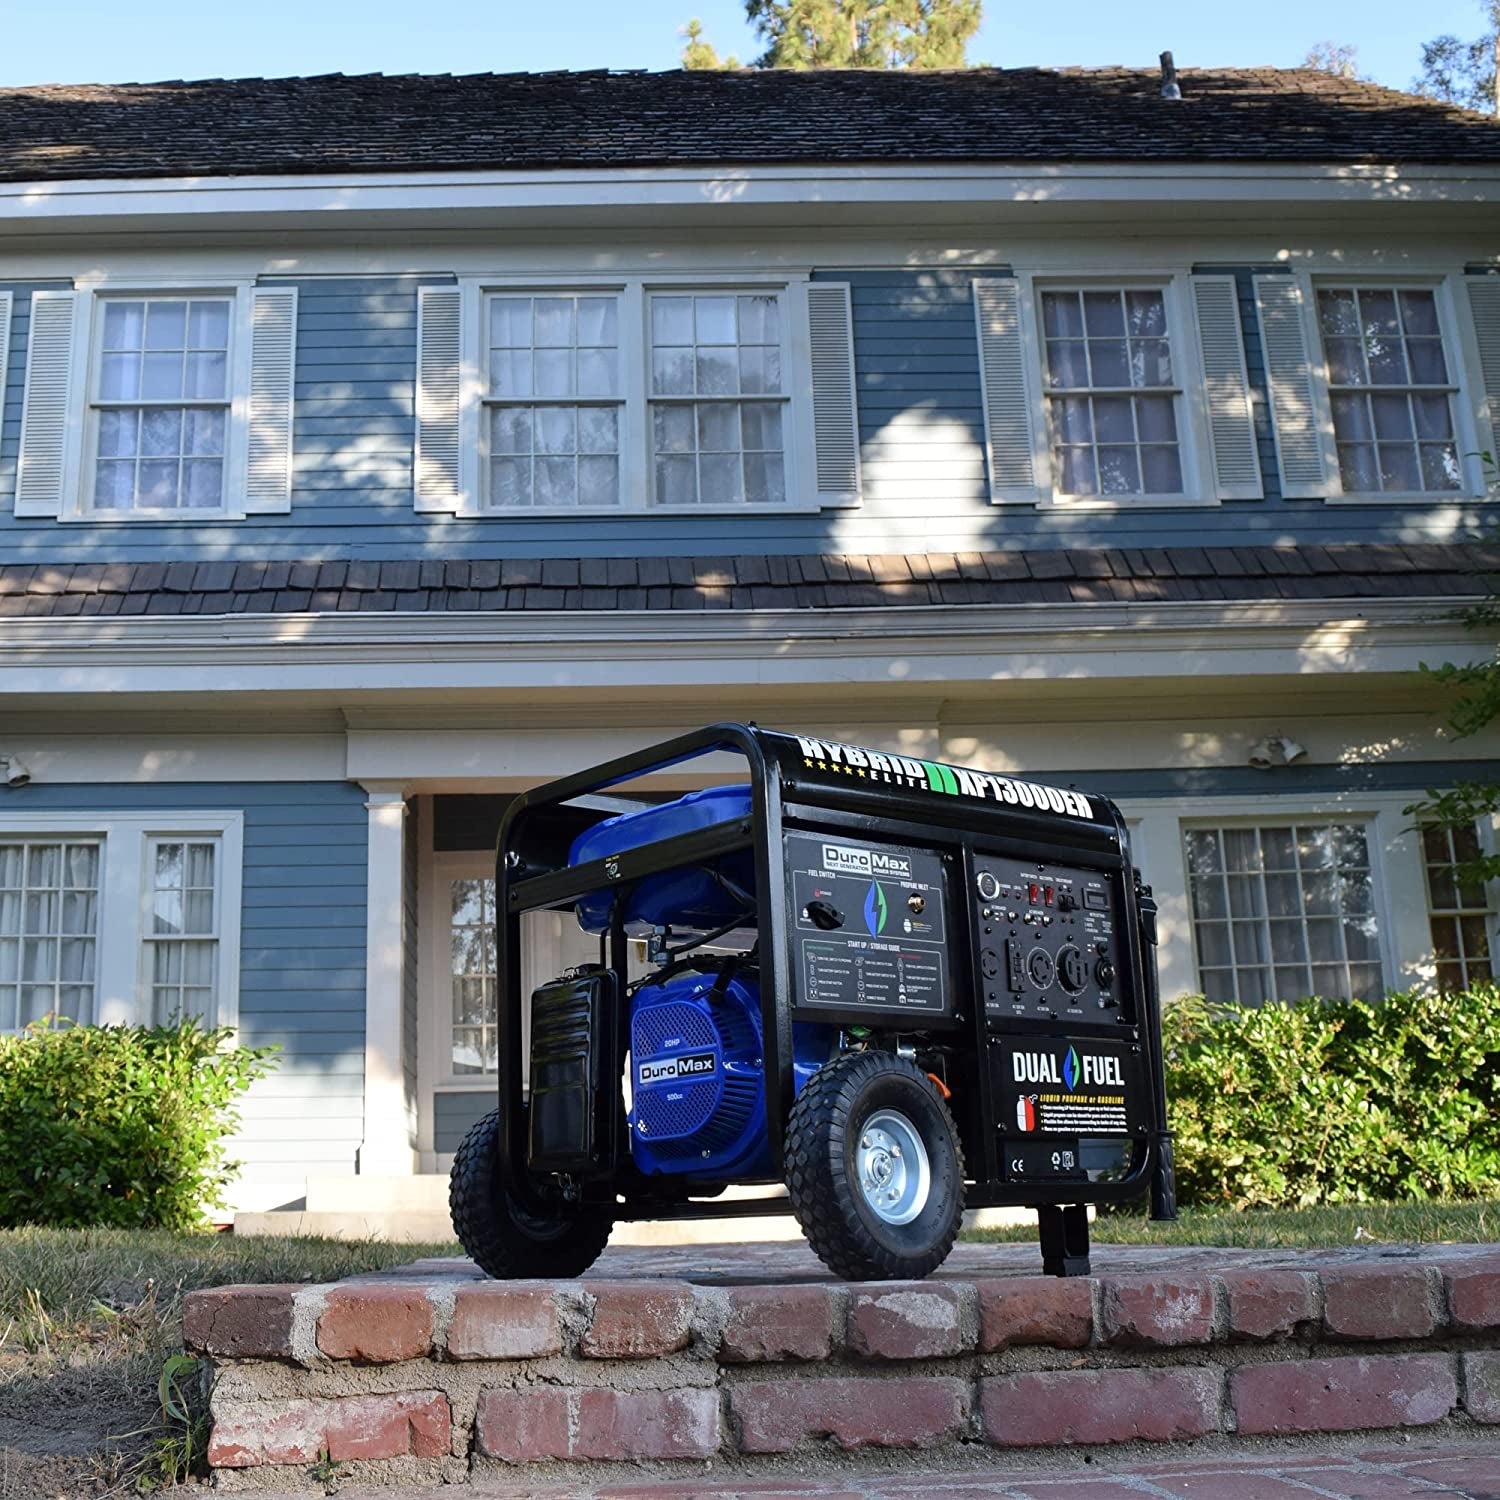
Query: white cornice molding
[
  {"x": 57, "y": 659},
  {"x": 719, "y": 187}
]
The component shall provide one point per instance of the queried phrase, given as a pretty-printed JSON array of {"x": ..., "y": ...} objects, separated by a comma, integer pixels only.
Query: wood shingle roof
[{"x": 378, "y": 123}]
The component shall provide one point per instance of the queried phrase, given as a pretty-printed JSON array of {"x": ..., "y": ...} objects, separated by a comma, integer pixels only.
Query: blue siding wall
[
  {"x": 921, "y": 431},
  {"x": 454, "y": 1113},
  {"x": 302, "y": 954}
]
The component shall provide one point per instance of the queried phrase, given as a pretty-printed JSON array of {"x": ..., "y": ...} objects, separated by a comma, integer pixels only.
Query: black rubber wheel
[
  {"x": 506, "y": 1241},
  {"x": 869, "y": 1211}
]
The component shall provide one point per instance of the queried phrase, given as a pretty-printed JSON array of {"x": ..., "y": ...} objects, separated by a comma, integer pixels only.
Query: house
[{"x": 376, "y": 447}]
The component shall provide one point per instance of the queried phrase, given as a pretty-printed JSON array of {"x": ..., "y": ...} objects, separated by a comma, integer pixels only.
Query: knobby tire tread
[
  {"x": 489, "y": 1231},
  {"x": 821, "y": 1193}
]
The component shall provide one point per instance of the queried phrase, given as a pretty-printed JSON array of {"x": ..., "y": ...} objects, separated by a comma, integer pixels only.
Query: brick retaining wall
[{"x": 433, "y": 1373}]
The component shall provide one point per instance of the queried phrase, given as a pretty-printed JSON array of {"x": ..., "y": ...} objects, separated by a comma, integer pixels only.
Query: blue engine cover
[
  {"x": 680, "y": 898},
  {"x": 698, "y": 1094}
]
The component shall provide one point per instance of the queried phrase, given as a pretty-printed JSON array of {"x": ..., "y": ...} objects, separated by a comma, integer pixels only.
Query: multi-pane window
[
  {"x": 1111, "y": 392},
  {"x": 1458, "y": 909},
  {"x": 181, "y": 937},
  {"x": 718, "y": 399},
  {"x": 555, "y": 401},
  {"x": 161, "y": 403},
  {"x": 49, "y": 923},
  {"x": 1283, "y": 911},
  {"x": 1390, "y": 389},
  {"x": 472, "y": 945}
]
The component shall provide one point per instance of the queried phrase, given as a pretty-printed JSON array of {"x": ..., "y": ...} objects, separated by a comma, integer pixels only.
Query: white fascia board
[
  {"x": 579, "y": 650},
  {"x": 720, "y": 187}
]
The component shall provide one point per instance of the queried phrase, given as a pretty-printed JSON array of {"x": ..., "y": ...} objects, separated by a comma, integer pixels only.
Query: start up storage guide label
[{"x": 881, "y": 944}]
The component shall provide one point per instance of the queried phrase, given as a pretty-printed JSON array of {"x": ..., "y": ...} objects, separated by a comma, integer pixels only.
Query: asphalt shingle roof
[
  {"x": 375, "y": 123},
  {"x": 1049, "y": 576}
]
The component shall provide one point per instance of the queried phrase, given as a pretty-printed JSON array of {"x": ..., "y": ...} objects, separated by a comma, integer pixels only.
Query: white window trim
[
  {"x": 122, "y": 990},
  {"x": 148, "y": 938},
  {"x": 1396, "y": 864},
  {"x": 541, "y": 956},
  {"x": 1459, "y": 349},
  {"x": 1198, "y": 489},
  {"x": 81, "y": 434},
  {"x": 1488, "y": 831},
  {"x": 636, "y": 479}
]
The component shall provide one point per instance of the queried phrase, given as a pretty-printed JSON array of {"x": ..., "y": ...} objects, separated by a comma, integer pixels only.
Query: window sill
[
  {"x": 1094, "y": 505},
  {"x": 128, "y": 517},
  {"x": 1415, "y": 497},
  {"x": 636, "y": 512}
]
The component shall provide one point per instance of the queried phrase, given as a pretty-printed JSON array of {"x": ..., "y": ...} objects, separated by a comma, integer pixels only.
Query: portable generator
[{"x": 881, "y": 989}]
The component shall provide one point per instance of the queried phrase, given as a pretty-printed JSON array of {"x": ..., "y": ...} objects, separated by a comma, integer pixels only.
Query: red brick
[
  {"x": 778, "y": 1322},
  {"x": 547, "y": 1422},
  {"x": 648, "y": 1424},
  {"x": 525, "y": 1426},
  {"x": 1474, "y": 1296},
  {"x": 378, "y": 1323},
  {"x": 1269, "y": 1304},
  {"x": 1042, "y": 1407},
  {"x": 1156, "y": 1312},
  {"x": 1378, "y": 1302},
  {"x": 252, "y": 1434},
  {"x": 389, "y": 1426},
  {"x": 504, "y": 1321},
  {"x": 240, "y": 1322},
  {"x": 1035, "y": 1310},
  {"x": 1342, "y": 1395},
  {"x": 638, "y": 1319},
  {"x": 773, "y": 1416},
  {"x": 1482, "y": 1386},
  {"x": 907, "y": 1321}
]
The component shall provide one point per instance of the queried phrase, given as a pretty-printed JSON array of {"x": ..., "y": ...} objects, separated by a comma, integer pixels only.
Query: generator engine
[{"x": 697, "y": 1082}]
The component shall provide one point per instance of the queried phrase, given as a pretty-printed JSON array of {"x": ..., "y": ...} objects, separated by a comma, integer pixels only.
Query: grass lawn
[
  {"x": 90, "y": 1320},
  {"x": 1471, "y": 1223}
]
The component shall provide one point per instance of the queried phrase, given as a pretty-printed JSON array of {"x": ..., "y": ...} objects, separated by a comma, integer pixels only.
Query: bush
[
  {"x": 1335, "y": 1102},
  {"x": 119, "y": 1126}
]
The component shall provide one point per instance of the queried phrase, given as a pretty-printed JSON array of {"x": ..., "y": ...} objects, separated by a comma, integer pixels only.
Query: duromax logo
[
  {"x": 875, "y": 909},
  {"x": 1070, "y": 1070}
]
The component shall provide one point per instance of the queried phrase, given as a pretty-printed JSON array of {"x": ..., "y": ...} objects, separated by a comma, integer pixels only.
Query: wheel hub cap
[{"x": 894, "y": 1174}]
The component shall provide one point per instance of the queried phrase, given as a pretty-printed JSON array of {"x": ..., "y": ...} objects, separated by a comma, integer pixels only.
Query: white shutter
[
  {"x": 47, "y": 405},
  {"x": 6, "y": 301},
  {"x": 1300, "y": 450},
  {"x": 1009, "y": 428},
  {"x": 1484, "y": 303},
  {"x": 830, "y": 322},
  {"x": 273, "y": 352},
  {"x": 1226, "y": 389},
  {"x": 439, "y": 363}
]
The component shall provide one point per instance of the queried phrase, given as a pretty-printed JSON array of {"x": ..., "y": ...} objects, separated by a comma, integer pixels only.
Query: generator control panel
[
  {"x": 1048, "y": 943},
  {"x": 870, "y": 932}
]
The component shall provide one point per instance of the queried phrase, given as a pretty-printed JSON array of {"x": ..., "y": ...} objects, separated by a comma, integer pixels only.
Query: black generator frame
[{"x": 532, "y": 874}]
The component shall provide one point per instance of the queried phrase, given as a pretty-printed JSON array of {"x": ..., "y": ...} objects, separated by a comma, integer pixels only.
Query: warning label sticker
[{"x": 1070, "y": 1087}]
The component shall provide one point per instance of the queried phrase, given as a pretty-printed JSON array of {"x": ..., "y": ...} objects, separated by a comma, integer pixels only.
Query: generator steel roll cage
[{"x": 532, "y": 875}]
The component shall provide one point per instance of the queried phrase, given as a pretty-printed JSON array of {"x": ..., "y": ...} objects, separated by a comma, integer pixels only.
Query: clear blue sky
[{"x": 112, "y": 41}]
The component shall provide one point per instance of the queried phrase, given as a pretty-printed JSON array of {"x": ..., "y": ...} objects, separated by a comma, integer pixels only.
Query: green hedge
[
  {"x": 1335, "y": 1102},
  {"x": 120, "y": 1126}
]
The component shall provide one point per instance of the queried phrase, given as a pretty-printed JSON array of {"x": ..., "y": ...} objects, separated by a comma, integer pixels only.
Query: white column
[
  {"x": 386, "y": 1149},
  {"x": 1156, "y": 842}
]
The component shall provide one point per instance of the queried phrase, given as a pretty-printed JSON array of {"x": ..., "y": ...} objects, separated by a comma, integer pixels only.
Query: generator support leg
[{"x": 1065, "y": 1239}]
